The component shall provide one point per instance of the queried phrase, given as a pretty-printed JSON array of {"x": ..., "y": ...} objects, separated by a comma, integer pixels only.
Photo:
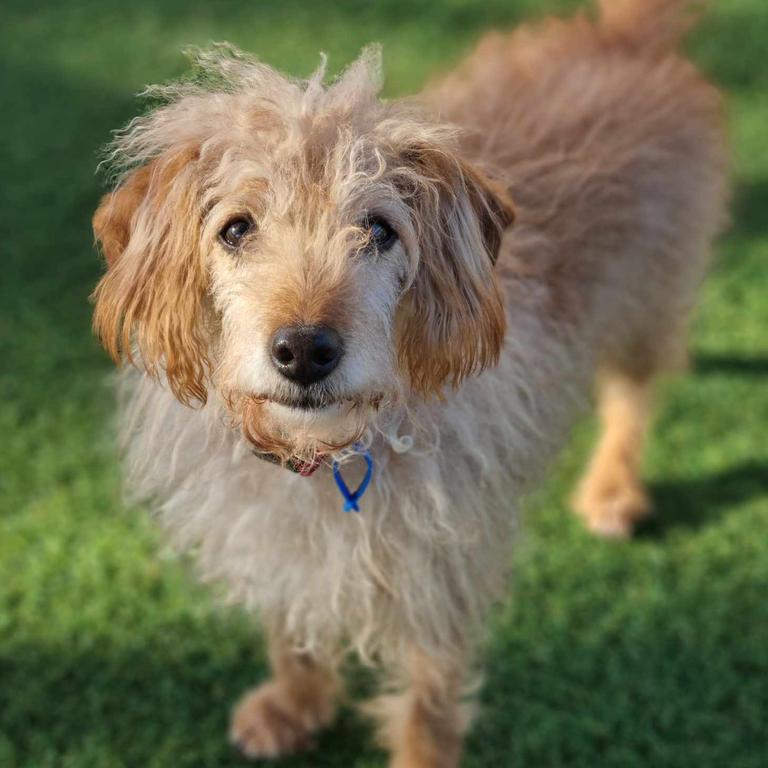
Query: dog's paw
[
  {"x": 270, "y": 722},
  {"x": 613, "y": 513}
]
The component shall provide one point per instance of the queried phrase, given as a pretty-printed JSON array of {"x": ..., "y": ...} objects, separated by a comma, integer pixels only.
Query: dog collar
[{"x": 308, "y": 468}]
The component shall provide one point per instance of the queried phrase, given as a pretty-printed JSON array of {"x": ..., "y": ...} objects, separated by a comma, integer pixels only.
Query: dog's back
[{"x": 612, "y": 146}]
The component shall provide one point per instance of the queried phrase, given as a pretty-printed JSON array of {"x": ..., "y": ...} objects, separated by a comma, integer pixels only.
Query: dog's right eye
[
  {"x": 235, "y": 230},
  {"x": 381, "y": 236}
]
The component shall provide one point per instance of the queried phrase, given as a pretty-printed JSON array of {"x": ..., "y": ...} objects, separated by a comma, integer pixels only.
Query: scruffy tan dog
[{"x": 311, "y": 274}]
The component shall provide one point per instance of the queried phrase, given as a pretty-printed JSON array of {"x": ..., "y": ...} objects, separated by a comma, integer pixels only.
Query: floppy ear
[
  {"x": 451, "y": 321},
  {"x": 149, "y": 304}
]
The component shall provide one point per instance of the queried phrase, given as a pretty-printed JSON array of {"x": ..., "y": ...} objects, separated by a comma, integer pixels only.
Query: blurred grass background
[{"x": 647, "y": 653}]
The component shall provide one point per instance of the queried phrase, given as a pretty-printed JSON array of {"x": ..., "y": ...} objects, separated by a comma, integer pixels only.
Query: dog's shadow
[
  {"x": 165, "y": 699},
  {"x": 728, "y": 364},
  {"x": 696, "y": 502}
]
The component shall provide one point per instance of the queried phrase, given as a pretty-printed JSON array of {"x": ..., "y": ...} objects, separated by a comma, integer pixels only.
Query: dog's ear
[
  {"x": 149, "y": 304},
  {"x": 451, "y": 321}
]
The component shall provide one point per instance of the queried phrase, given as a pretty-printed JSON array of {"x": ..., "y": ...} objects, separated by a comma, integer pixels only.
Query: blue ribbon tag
[{"x": 350, "y": 498}]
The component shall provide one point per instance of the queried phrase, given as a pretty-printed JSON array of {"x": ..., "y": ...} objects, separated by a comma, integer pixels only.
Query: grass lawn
[{"x": 647, "y": 653}]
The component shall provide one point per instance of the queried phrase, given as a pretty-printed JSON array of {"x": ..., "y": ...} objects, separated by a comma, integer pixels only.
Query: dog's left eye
[
  {"x": 381, "y": 236},
  {"x": 235, "y": 230}
]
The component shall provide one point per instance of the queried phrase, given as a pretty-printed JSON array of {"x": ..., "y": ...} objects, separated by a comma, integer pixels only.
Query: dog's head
[{"x": 309, "y": 252}]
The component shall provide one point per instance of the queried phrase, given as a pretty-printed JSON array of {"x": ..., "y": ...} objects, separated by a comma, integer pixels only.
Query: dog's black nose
[{"x": 306, "y": 353}]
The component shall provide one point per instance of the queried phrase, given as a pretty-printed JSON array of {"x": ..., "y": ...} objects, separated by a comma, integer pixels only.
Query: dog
[{"x": 419, "y": 293}]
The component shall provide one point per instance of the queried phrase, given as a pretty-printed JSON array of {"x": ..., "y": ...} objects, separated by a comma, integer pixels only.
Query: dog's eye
[
  {"x": 381, "y": 236},
  {"x": 235, "y": 230}
]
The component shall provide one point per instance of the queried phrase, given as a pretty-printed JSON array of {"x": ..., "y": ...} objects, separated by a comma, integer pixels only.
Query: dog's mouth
[
  {"x": 300, "y": 429},
  {"x": 306, "y": 402},
  {"x": 311, "y": 402}
]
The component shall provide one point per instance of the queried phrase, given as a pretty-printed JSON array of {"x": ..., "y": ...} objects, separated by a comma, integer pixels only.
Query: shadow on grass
[
  {"x": 729, "y": 45},
  {"x": 47, "y": 198},
  {"x": 694, "y": 503},
  {"x": 749, "y": 205},
  {"x": 150, "y": 704},
  {"x": 737, "y": 365}
]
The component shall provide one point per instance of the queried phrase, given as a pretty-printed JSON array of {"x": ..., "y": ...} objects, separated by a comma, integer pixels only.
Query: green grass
[{"x": 647, "y": 653}]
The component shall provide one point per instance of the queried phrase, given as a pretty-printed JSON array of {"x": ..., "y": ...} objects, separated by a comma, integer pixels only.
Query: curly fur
[{"x": 468, "y": 355}]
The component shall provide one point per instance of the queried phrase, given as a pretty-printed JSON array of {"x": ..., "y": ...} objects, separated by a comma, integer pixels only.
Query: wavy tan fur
[{"x": 467, "y": 354}]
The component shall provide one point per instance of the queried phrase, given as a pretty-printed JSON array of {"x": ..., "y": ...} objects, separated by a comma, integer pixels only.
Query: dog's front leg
[
  {"x": 423, "y": 724},
  {"x": 281, "y": 716}
]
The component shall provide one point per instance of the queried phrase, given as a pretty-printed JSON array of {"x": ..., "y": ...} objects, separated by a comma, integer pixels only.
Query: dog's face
[{"x": 310, "y": 253}]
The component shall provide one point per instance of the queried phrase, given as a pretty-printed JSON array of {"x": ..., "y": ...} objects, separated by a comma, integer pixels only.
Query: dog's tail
[{"x": 655, "y": 26}]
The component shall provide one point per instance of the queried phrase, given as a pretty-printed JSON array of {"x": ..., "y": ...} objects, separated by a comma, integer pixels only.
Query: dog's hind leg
[
  {"x": 281, "y": 716},
  {"x": 611, "y": 497}
]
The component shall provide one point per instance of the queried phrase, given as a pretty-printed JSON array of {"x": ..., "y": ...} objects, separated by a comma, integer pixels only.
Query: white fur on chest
[{"x": 422, "y": 559}]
